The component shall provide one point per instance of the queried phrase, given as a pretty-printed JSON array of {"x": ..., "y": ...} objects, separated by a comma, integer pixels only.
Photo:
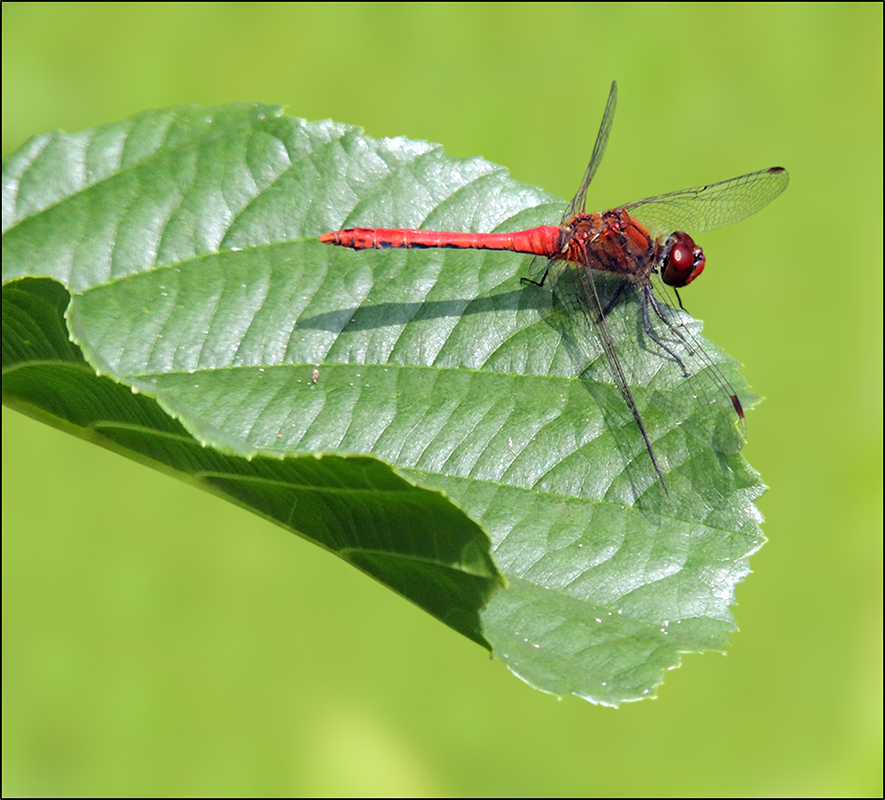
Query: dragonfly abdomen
[{"x": 541, "y": 241}]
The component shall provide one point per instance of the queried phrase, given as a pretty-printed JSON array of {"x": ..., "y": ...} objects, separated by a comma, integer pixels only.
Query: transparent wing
[
  {"x": 683, "y": 392},
  {"x": 579, "y": 200},
  {"x": 716, "y": 205}
]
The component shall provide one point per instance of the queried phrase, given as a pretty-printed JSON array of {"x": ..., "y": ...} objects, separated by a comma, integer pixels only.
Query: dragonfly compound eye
[{"x": 683, "y": 260}]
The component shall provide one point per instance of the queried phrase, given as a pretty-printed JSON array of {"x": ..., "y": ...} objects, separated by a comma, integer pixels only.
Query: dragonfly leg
[
  {"x": 604, "y": 312},
  {"x": 530, "y": 282},
  {"x": 646, "y": 298},
  {"x": 679, "y": 299}
]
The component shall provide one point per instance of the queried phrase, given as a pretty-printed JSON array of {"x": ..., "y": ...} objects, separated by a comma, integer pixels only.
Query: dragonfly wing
[
  {"x": 579, "y": 200},
  {"x": 586, "y": 300},
  {"x": 716, "y": 205},
  {"x": 682, "y": 383}
]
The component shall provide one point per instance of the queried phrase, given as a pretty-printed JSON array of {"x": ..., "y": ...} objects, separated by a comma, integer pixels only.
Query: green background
[{"x": 159, "y": 641}]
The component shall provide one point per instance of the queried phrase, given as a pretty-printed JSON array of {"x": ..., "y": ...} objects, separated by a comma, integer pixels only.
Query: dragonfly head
[{"x": 683, "y": 260}]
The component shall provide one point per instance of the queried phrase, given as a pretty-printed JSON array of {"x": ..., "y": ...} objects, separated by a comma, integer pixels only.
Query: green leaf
[{"x": 419, "y": 413}]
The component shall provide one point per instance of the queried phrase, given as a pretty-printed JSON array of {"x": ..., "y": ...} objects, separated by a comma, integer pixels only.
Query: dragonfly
[{"x": 638, "y": 243}]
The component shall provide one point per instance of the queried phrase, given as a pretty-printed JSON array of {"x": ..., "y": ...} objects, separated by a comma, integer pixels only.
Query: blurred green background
[{"x": 158, "y": 641}]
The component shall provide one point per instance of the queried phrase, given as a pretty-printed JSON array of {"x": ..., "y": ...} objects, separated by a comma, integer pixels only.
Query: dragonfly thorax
[{"x": 611, "y": 242}]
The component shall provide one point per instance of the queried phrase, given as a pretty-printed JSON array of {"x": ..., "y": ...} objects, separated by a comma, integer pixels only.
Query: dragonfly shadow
[
  {"x": 357, "y": 318},
  {"x": 625, "y": 470}
]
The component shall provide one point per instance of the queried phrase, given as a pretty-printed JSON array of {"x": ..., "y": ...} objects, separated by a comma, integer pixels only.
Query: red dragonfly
[{"x": 635, "y": 242}]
